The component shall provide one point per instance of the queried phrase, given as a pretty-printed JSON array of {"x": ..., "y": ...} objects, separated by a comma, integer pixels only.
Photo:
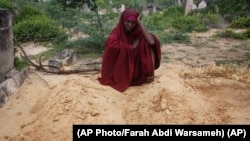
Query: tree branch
[{"x": 42, "y": 67}]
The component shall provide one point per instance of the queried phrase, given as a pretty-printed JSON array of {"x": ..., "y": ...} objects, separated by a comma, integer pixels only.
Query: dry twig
[{"x": 57, "y": 70}]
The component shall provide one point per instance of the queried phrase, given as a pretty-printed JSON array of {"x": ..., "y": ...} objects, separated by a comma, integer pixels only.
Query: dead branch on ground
[{"x": 56, "y": 70}]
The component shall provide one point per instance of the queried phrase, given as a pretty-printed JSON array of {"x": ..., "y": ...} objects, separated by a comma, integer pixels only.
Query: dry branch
[{"x": 57, "y": 70}]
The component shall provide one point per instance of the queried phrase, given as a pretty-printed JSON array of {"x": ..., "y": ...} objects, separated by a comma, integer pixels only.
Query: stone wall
[
  {"x": 6, "y": 44},
  {"x": 10, "y": 78}
]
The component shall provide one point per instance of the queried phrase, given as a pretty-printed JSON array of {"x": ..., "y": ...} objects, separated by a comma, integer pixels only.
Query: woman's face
[{"x": 129, "y": 25}]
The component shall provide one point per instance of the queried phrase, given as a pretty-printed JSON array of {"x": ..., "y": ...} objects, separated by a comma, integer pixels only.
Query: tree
[
  {"x": 178, "y": 2},
  {"x": 188, "y": 6}
]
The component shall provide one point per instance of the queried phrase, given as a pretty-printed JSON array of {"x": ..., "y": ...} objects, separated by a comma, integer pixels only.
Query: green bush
[
  {"x": 19, "y": 63},
  {"x": 174, "y": 12},
  {"x": 247, "y": 33},
  {"x": 188, "y": 24},
  {"x": 94, "y": 41},
  {"x": 27, "y": 12},
  {"x": 242, "y": 22},
  {"x": 7, "y": 5},
  {"x": 228, "y": 33},
  {"x": 208, "y": 16},
  {"x": 36, "y": 28},
  {"x": 155, "y": 22},
  {"x": 171, "y": 36},
  {"x": 210, "y": 20}
]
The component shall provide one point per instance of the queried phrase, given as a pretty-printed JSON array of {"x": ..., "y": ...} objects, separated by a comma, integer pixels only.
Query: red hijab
[
  {"x": 127, "y": 14},
  {"x": 123, "y": 66}
]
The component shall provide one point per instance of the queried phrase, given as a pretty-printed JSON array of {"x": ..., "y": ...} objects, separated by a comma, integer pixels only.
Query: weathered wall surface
[
  {"x": 6, "y": 43},
  {"x": 10, "y": 78}
]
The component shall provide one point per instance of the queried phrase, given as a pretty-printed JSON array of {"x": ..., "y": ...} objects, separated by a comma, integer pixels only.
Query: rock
[
  {"x": 3, "y": 98},
  {"x": 10, "y": 86},
  {"x": 202, "y": 5},
  {"x": 66, "y": 58}
]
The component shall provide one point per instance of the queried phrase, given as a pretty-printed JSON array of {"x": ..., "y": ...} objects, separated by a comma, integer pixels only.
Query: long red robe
[{"x": 124, "y": 66}]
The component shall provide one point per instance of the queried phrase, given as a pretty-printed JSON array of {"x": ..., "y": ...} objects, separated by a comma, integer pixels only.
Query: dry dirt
[{"x": 47, "y": 105}]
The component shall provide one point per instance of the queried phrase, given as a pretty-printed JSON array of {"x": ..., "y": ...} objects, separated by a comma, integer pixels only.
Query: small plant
[
  {"x": 19, "y": 63},
  {"x": 242, "y": 22},
  {"x": 231, "y": 34},
  {"x": 247, "y": 33},
  {"x": 173, "y": 12},
  {"x": 156, "y": 22},
  {"x": 36, "y": 28},
  {"x": 7, "y": 5},
  {"x": 188, "y": 24},
  {"x": 27, "y": 12}
]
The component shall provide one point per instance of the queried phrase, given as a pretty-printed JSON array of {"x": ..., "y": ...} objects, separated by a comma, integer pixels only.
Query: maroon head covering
[
  {"x": 132, "y": 18},
  {"x": 128, "y": 14}
]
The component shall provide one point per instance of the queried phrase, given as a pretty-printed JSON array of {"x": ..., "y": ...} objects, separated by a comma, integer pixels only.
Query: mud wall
[{"x": 6, "y": 43}]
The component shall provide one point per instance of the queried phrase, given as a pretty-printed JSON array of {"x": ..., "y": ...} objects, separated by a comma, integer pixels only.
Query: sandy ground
[{"x": 47, "y": 105}]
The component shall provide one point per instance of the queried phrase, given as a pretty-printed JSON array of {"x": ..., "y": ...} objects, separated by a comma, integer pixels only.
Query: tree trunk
[
  {"x": 177, "y": 2},
  {"x": 188, "y": 6}
]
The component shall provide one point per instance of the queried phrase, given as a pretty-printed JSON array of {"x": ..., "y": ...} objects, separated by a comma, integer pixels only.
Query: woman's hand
[
  {"x": 149, "y": 38},
  {"x": 135, "y": 43},
  {"x": 139, "y": 18}
]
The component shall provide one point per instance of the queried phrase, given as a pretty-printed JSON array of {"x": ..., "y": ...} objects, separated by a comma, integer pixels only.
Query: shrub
[
  {"x": 7, "y": 5},
  {"x": 36, "y": 28},
  {"x": 247, "y": 33},
  {"x": 231, "y": 34},
  {"x": 188, "y": 24},
  {"x": 210, "y": 20},
  {"x": 242, "y": 22},
  {"x": 155, "y": 22},
  {"x": 19, "y": 63},
  {"x": 174, "y": 12},
  {"x": 27, "y": 12}
]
